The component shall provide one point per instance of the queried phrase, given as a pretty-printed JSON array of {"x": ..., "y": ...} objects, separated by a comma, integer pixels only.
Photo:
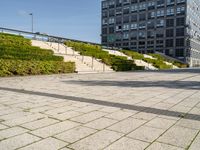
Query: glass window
[
  {"x": 126, "y": 1},
  {"x": 159, "y": 41},
  {"x": 118, "y": 20},
  {"x": 134, "y": 35},
  {"x": 180, "y": 10},
  {"x": 160, "y": 23},
  {"x": 180, "y": 21},
  {"x": 169, "y": 43},
  {"x": 142, "y": 17},
  {"x": 142, "y": 6},
  {"x": 150, "y": 24},
  {"x": 111, "y": 13},
  {"x": 134, "y": 1},
  {"x": 104, "y": 14},
  {"x": 180, "y": 42},
  {"x": 150, "y": 34},
  {"x": 111, "y": 30},
  {"x": 170, "y": 22},
  {"x": 159, "y": 33},
  {"x": 142, "y": 34},
  {"x": 180, "y": 1},
  {"x": 169, "y": 32},
  {"x": 126, "y": 19},
  {"x": 105, "y": 4},
  {"x": 125, "y": 35},
  {"x": 134, "y": 18},
  {"x": 111, "y": 3},
  {"x": 118, "y": 28},
  {"x": 118, "y": 36},
  {"x": 179, "y": 52},
  {"x": 170, "y": 2},
  {"x": 134, "y": 26},
  {"x": 111, "y": 20},
  {"x": 126, "y": 10},
  {"x": 118, "y": 11},
  {"x": 151, "y": 5},
  {"x": 134, "y": 8},
  {"x": 104, "y": 39},
  {"x": 180, "y": 31},
  {"x": 160, "y": 3},
  {"x": 151, "y": 15},
  {"x": 160, "y": 13},
  {"x": 105, "y": 21},
  {"x": 170, "y": 11},
  {"x": 126, "y": 27},
  {"x": 104, "y": 31},
  {"x": 142, "y": 25}
]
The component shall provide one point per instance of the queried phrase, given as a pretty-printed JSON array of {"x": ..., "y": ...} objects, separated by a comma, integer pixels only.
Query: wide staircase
[{"x": 84, "y": 64}]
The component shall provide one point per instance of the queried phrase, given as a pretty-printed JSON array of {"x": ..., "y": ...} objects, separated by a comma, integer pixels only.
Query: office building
[{"x": 171, "y": 27}]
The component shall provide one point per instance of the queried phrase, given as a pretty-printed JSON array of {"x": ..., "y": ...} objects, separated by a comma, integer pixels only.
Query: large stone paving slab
[
  {"x": 162, "y": 146},
  {"x": 178, "y": 136},
  {"x": 146, "y": 133},
  {"x": 97, "y": 141},
  {"x": 120, "y": 111},
  {"x": 127, "y": 125},
  {"x": 54, "y": 129},
  {"x": 100, "y": 123},
  {"x": 12, "y": 132},
  {"x": 18, "y": 141},
  {"x": 39, "y": 123},
  {"x": 75, "y": 134},
  {"x": 196, "y": 143},
  {"x": 160, "y": 123},
  {"x": 46, "y": 144},
  {"x": 127, "y": 144}
]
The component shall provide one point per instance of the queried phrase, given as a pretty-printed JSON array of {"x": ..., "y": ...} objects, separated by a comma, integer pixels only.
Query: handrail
[{"x": 50, "y": 37}]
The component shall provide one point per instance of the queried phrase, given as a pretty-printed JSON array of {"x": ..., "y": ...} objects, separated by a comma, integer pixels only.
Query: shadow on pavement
[
  {"x": 193, "y": 85},
  {"x": 186, "y": 70},
  {"x": 109, "y": 104}
]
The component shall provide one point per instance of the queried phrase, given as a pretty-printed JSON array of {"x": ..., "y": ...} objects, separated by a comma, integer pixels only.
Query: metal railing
[
  {"x": 90, "y": 61},
  {"x": 41, "y": 36}
]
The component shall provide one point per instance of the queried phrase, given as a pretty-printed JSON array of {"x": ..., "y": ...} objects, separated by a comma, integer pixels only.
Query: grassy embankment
[{"x": 18, "y": 57}]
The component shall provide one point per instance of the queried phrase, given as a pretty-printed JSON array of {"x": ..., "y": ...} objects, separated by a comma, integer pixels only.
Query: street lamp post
[{"x": 31, "y": 14}]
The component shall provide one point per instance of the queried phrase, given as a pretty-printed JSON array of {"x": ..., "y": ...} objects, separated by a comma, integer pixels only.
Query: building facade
[{"x": 171, "y": 27}]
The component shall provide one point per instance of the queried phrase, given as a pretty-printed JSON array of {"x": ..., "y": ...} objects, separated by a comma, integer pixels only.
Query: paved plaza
[{"x": 112, "y": 111}]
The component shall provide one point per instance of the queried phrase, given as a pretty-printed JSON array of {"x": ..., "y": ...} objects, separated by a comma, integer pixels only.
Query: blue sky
[{"x": 77, "y": 19}]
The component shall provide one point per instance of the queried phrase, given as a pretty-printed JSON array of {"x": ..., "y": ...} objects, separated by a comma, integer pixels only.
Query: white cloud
[{"x": 22, "y": 13}]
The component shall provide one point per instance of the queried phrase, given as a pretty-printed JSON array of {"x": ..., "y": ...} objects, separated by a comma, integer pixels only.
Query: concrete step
[
  {"x": 95, "y": 64},
  {"x": 84, "y": 64}
]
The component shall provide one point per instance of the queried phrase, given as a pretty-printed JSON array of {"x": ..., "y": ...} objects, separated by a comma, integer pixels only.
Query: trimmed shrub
[
  {"x": 22, "y": 68},
  {"x": 158, "y": 63},
  {"x": 134, "y": 55},
  {"x": 175, "y": 63},
  {"x": 117, "y": 63},
  {"x": 19, "y": 57}
]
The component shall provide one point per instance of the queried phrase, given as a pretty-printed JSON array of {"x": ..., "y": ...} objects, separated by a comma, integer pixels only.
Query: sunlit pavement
[{"x": 114, "y": 111}]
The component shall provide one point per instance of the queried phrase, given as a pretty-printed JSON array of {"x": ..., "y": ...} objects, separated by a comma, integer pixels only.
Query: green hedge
[
  {"x": 134, "y": 55},
  {"x": 175, "y": 63},
  {"x": 117, "y": 63},
  {"x": 14, "y": 40},
  {"x": 19, "y": 57},
  {"x": 158, "y": 63},
  {"x": 22, "y": 68},
  {"x": 25, "y": 49},
  {"x": 27, "y": 56},
  {"x": 17, "y": 47}
]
